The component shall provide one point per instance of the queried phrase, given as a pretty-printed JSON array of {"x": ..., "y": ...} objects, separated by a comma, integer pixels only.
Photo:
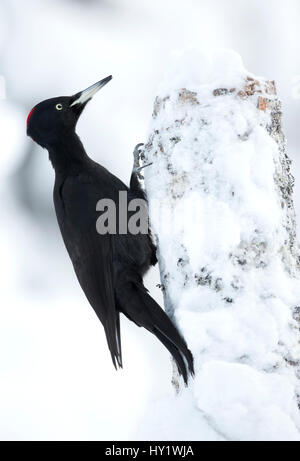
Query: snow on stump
[{"x": 221, "y": 210}]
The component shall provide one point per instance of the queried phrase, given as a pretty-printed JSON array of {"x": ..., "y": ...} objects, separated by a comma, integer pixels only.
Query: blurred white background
[{"x": 56, "y": 376}]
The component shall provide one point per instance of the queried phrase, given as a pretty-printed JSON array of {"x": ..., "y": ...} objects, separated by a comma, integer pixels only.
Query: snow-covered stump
[{"x": 221, "y": 210}]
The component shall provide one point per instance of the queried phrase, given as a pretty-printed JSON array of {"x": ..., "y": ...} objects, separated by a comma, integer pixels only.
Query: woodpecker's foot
[{"x": 137, "y": 156}]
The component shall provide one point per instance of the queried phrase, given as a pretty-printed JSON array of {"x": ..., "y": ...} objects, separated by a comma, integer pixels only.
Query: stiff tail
[
  {"x": 176, "y": 354},
  {"x": 170, "y": 337},
  {"x": 139, "y": 307}
]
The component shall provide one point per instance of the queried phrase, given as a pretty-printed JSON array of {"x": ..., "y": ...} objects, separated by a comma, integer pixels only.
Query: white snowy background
[{"x": 56, "y": 376}]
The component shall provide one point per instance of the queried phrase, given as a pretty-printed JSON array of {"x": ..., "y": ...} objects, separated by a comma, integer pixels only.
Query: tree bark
[{"x": 221, "y": 211}]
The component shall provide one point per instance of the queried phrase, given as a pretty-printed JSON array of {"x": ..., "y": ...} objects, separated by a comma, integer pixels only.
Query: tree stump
[{"x": 221, "y": 211}]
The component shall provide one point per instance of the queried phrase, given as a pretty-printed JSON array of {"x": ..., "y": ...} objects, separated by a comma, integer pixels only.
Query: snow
[
  {"x": 56, "y": 377},
  {"x": 196, "y": 67},
  {"x": 229, "y": 265}
]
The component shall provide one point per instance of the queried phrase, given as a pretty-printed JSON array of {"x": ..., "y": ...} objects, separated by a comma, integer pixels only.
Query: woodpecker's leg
[
  {"x": 137, "y": 189},
  {"x": 137, "y": 157},
  {"x": 136, "y": 176}
]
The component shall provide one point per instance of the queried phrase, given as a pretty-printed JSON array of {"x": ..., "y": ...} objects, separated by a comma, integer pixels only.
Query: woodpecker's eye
[{"x": 58, "y": 106}]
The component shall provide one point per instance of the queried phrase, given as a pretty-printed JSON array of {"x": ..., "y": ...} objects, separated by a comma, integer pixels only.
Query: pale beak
[{"x": 85, "y": 95}]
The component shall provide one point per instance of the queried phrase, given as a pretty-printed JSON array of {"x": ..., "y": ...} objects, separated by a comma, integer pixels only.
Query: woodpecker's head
[{"x": 49, "y": 120}]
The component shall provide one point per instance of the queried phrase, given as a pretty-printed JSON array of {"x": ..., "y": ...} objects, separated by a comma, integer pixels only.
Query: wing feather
[{"x": 92, "y": 256}]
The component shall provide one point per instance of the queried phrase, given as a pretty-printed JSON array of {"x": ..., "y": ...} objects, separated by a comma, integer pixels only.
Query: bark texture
[{"x": 220, "y": 195}]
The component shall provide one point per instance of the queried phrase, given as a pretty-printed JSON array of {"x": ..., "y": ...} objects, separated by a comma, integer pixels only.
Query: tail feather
[
  {"x": 163, "y": 323},
  {"x": 139, "y": 307},
  {"x": 168, "y": 330},
  {"x": 176, "y": 345},
  {"x": 182, "y": 369}
]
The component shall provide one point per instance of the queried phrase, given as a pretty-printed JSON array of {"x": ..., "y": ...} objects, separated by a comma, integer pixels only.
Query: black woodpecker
[{"x": 109, "y": 267}]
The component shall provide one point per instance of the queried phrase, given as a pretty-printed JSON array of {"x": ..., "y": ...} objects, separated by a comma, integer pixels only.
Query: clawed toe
[
  {"x": 137, "y": 154},
  {"x": 145, "y": 166}
]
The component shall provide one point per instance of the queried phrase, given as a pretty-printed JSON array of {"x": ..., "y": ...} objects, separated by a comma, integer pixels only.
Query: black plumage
[{"x": 109, "y": 268}]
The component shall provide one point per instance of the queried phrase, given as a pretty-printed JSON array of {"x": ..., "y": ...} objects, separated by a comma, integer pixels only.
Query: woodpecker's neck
[{"x": 67, "y": 154}]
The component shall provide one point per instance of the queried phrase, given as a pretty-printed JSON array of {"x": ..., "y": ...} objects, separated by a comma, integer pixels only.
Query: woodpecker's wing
[
  {"x": 91, "y": 254},
  {"x": 94, "y": 270}
]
